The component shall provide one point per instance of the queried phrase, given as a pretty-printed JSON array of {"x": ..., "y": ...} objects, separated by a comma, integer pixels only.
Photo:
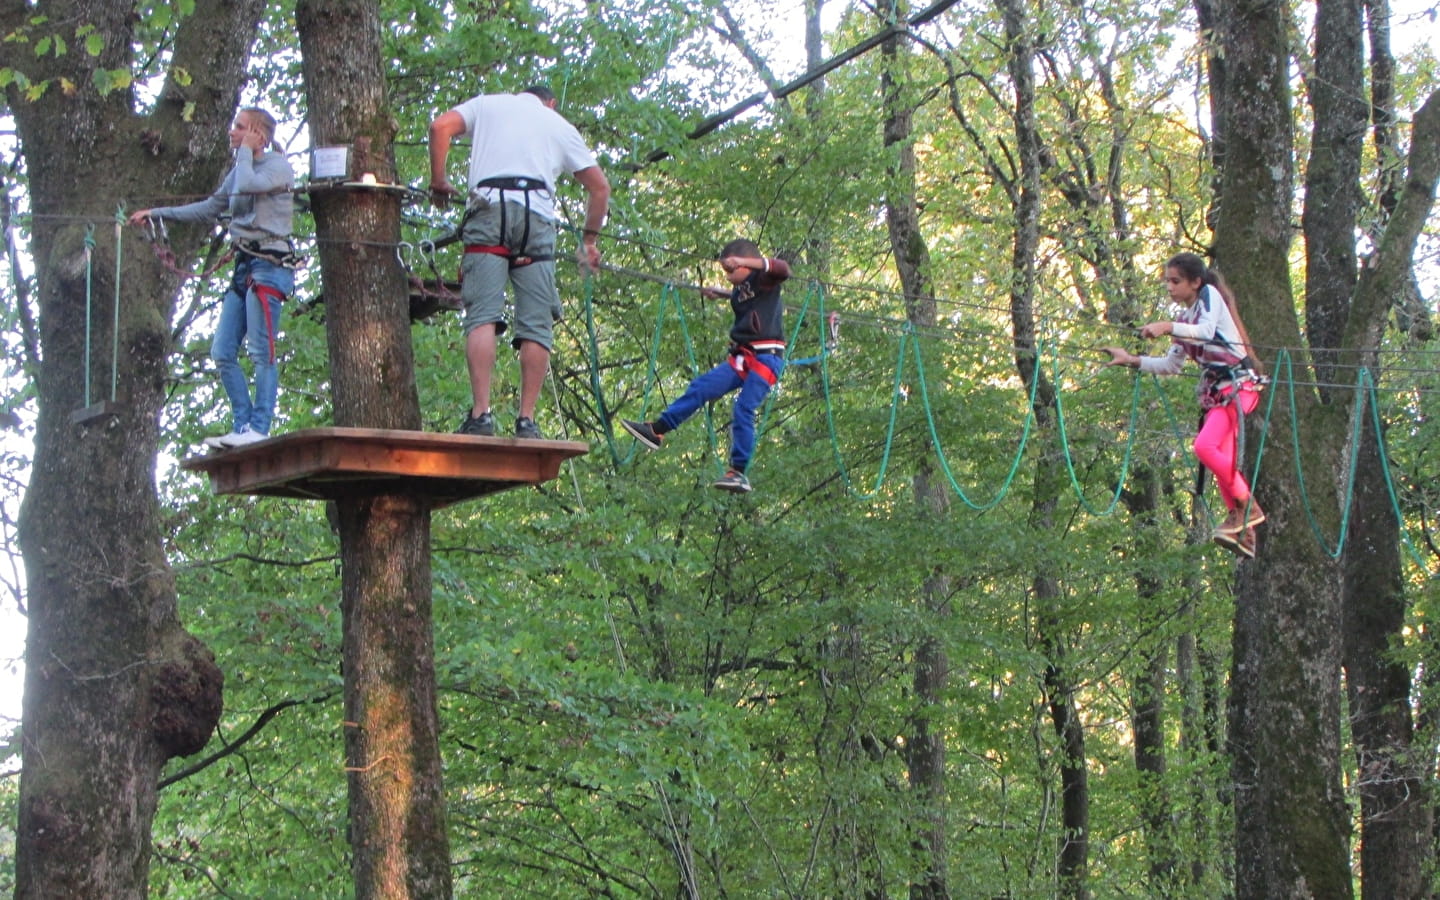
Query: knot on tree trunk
[{"x": 186, "y": 696}]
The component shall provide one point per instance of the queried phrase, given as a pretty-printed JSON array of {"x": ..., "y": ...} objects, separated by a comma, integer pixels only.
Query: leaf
[{"x": 94, "y": 44}]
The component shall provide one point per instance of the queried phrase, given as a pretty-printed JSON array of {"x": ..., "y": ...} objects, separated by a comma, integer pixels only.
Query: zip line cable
[{"x": 909, "y": 344}]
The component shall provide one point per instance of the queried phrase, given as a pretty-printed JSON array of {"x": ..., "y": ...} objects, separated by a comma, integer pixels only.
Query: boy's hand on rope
[
  {"x": 138, "y": 217},
  {"x": 1157, "y": 329}
]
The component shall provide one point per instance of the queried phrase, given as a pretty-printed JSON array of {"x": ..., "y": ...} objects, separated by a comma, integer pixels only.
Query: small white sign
[{"x": 329, "y": 162}]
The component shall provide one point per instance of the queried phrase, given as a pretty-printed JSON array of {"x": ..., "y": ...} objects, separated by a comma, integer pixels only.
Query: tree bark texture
[
  {"x": 397, "y": 801},
  {"x": 1332, "y": 180},
  {"x": 925, "y": 748},
  {"x": 1072, "y": 865},
  {"x": 1396, "y": 819},
  {"x": 1292, "y": 822},
  {"x": 114, "y": 684}
]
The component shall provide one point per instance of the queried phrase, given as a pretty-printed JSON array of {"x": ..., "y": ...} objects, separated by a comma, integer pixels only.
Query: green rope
[
  {"x": 889, "y": 432},
  {"x": 1415, "y": 554},
  {"x": 1283, "y": 358},
  {"x": 1179, "y": 434},
  {"x": 1366, "y": 392},
  {"x": 1070, "y": 457},
  {"x": 940, "y": 453},
  {"x": 89, "y": 257},
  {"x": 115, "y": 329}
]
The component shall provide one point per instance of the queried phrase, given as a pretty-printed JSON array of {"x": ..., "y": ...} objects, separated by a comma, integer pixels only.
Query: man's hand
[
  {"x": 442, "y": 193},
  {"x": 588, "y": 256}
]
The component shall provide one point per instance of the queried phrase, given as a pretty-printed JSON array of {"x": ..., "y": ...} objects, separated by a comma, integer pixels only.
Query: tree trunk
[
  {"x": 397, "y": 802},
  {"x": 1394, "y": 821},
  {"x": 925, "y": 746},
  {"x": 114, "y": 684},
  {"x": 1292, "y": 823},
  {"x": 1072, "y": 868}
]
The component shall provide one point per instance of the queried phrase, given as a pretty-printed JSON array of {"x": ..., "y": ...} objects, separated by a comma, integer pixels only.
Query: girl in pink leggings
[{"x": 1210, "y": 332}]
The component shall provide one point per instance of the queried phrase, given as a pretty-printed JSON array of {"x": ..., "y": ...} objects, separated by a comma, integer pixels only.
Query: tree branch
[{"x": 234, "y": 746}]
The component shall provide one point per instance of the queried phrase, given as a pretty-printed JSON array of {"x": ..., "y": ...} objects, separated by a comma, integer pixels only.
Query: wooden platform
[{"x": 335, "y": 463}]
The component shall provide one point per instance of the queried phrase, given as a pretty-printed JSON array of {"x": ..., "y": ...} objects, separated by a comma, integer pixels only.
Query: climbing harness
[
  {"x": 517, "y": 256},
  {"x": 159, "y": 239},
  {"x": 289, "y": 258},
  {"x": 744, "y": 361}
]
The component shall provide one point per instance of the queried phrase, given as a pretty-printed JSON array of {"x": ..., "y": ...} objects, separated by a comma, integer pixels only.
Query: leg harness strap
[
  {"x": 745, "y": 363},
  {"x": 516, "y": 255}
]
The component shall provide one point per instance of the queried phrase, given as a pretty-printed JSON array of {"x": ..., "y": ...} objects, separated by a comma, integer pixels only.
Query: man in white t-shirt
[{"x": 519, "y": 145}]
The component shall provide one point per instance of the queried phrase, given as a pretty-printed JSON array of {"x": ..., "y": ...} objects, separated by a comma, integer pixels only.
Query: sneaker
[
  {"x": 220, "y": 441},
  {"x": 1245, "y": 544},
  {"x": 1242, "y": 544},
  {"x": 1254, "y": 515},
  {"x": 643, "y": 432},
  {"x": 734, "y": 482},
  {"x": 1234, "y": 522},
  {"x": 525, "y": 427},
  {"x": 246, "y": 435},
  {"x": 482, "y": 425}
]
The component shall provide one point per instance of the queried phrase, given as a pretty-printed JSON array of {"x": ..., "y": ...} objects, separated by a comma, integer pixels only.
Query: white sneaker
[
  {"x": 242, "y": 437},
  {"x": 220, "y": 441}
]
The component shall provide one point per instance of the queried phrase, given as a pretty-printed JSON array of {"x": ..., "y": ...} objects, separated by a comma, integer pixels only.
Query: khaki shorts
[{"x": 483, "y": 275}]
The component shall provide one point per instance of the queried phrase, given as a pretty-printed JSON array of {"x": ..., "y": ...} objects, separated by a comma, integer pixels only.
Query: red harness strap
[
  {"x": 745, "y": 363},
  {"x": 500, "y": 250},
  {"x": 266, "y": 292}
]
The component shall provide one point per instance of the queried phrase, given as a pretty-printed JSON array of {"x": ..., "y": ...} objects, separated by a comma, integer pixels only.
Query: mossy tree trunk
[{"x": 114, "y": 684}]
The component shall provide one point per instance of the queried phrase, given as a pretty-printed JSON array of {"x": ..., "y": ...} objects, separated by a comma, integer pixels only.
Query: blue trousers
[
  {"x": 713, "y": 385},
  {"x": 251, "y": 320}
]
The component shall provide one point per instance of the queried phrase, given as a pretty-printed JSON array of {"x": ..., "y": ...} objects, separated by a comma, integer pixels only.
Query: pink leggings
[{"x": 1215, "y": 447}]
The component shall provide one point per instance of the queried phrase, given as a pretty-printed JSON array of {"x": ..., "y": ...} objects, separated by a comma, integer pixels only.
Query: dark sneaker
[
  {"x": 643, "y": 432},
  {"x": 482, "y": 425},
  {"x": 734, "y": 482},
  {"x": 526, "y": 428}
]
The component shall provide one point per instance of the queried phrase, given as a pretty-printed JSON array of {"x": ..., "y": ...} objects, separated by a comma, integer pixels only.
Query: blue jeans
[
  {"x": 715, "y": 384},
  {"x": 251, "y": 318}
]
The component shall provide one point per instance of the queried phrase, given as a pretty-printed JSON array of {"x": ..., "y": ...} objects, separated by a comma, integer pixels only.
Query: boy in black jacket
[{"x": 756, "y": 358}]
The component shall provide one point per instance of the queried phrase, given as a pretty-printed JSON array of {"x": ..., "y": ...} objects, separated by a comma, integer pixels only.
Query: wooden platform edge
[{"x": 333, "y": 462}]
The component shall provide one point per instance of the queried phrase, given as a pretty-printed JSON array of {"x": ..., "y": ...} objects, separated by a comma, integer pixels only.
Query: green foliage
[{"x": 645, "y": 681}]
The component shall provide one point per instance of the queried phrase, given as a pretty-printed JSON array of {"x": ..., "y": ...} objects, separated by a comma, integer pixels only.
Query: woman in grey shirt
[{"x": 255, "y": 197}]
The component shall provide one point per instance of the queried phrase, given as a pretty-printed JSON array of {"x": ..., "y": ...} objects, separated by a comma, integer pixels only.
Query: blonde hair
[{"x": 264, "y": 122}]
